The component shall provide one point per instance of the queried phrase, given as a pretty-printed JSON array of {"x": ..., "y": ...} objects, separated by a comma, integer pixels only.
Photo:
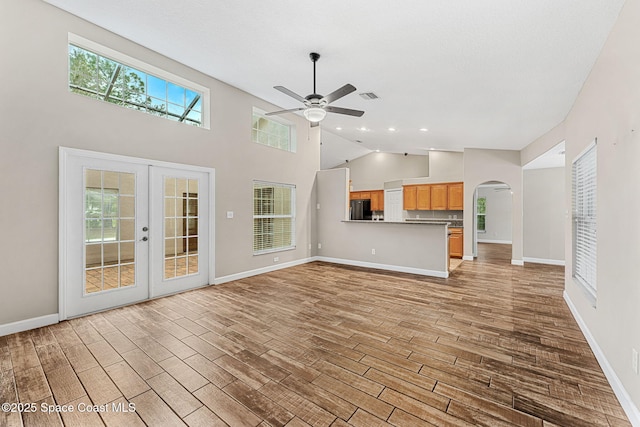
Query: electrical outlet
[
  {"x": 276, "y": 259},
  {"x": 229, "y": 214},
  {"x": 373, "y": 251},
  {"x": 309, "y": 246},
  {"x": 319, "y": 245},
  {"x": 318, "y": 206},
  {"x": 634, "y": 360}
]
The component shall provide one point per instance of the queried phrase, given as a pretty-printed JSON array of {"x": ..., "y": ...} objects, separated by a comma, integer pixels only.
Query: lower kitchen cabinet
[{"x": 456, "y": 243}]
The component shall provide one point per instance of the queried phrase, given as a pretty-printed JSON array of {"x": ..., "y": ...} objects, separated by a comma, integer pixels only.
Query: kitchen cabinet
[
  {"x": 455, "y": 193},
  {"x": 423, "y": 197},
  {"x": 409, "y": 196},
  {"x": 360, "y": 195},
  {"x": 377, "y": 200},
  {"x": 434, "y": 197},
  {"x": 439, "y": 197},
  {"x": 456, "y": 243}
]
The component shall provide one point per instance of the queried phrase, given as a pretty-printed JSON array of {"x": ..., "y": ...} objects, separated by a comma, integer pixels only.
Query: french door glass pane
[
  {"x": 180, "y": 227},
  {"x": 109, "y": 232}
]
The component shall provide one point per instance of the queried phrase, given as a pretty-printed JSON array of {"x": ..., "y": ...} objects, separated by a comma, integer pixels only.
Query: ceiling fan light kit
[
  {"x": 317, "y": 106},
  {"x": 314, "y": 114}
]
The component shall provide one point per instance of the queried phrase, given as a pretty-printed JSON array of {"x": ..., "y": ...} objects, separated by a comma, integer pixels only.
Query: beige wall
[
  {"x": 482, "y": 166},
  {"x": 370, "y": 172},
  {"x": 446, "y": 166},
  {"x": 38, "y": 114},
  {"x": 545, "y": 214},
  {"x": 608, "y": 108}
]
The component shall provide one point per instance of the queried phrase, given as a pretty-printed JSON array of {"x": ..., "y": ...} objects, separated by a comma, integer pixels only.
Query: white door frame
[{"x": 63, "y": 244}]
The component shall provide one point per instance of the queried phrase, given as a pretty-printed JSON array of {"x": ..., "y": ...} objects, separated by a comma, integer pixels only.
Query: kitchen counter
[{"x": 439, "y": 222}]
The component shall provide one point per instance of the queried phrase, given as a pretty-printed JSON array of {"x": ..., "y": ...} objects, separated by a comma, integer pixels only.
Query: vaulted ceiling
[{"x": 474, "y": 73}]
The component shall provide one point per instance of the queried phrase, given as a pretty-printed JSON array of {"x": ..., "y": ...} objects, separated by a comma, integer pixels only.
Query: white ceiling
[
  {"x": 553, "y": 158},
  {"x": 475, "y": 73}
]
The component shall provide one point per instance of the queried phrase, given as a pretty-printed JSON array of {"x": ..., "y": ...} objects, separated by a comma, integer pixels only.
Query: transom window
[
  {"x": 101, "y": 76},
  {"x": 273, "y": 132},
  {"x": 273, "y": 217}
]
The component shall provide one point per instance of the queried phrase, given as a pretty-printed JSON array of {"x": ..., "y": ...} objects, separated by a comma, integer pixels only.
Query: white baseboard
[
  {"x": 467, "y": 258},
  {"x": 517, "y": 262},
  {"x": 543, "y": 261},
  {"x": 621, "y": 393},
  {"x": 398, "y": 268},
  {"x": 249, "y": 273},
  {"x": 502, "y": 242},
  {"x": 26, "y": 324}
]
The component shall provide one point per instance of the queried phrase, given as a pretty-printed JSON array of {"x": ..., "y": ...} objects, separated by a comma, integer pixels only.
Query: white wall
[
  {"x": 370, "y": 172},
  {"x": 498, "y": 219},
  {"x": 608, "y": 108},
  {"x": 38, "y": 114},
  {"x": 544, "y": 215}
]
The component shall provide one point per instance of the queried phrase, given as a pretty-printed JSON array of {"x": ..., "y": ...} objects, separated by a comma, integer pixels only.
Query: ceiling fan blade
[
  {"x": 273, "y": 113},
  {"x": 290, "y": 93},
  {"x": 339, "y": 93},
  {"x": 347, "y": 111}
]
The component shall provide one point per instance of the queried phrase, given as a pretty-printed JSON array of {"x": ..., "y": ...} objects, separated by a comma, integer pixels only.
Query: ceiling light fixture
[
  {"x": 423, "y": 129},
  {"x": 392, "y": 129},
  {"x": 315, "y": 114},
  {"x": 363, "y": 129},
  {"x": 338, "y": 128}
]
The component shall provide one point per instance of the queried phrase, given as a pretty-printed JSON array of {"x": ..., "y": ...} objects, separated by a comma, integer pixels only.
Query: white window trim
[
  {"x": 292, "y": 129},
  {"x": 589, "y": 290},
  {"x": 94, "y": 47},
  {"x": 292, "y": 216}
]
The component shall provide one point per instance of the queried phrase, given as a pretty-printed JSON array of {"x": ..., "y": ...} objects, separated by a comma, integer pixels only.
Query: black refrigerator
[{"x": 360, "y": 209}]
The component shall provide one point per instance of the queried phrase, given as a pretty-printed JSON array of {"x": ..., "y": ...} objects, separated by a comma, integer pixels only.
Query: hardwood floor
[{"x": 321, "y": 344}]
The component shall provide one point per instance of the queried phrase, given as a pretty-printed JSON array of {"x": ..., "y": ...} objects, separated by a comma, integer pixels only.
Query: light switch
[{"x": 229, "y": 214}]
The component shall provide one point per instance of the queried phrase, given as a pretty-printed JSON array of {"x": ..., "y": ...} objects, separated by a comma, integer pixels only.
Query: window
[
  {"x": 110, "y": 77},
  {"x": 273, "y": 217},
  {"x": 584, "y": 219},
  {"x": 272, "y": 131},
  {"x": 481, "y": 214}
]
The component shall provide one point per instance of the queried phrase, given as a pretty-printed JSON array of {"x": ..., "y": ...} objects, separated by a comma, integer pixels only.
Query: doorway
[
  {"x": 493, "y": 206},
  {"x": 130, "y": 230}
]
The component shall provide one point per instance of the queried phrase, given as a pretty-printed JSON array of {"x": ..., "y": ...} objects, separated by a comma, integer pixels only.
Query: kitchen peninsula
[{"x": 418, "y": 247}]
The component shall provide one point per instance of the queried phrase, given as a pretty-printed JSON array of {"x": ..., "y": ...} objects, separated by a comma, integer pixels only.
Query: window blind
[
  {"x": 584, "y": 194},
  {"x": 273, "y": 216}
]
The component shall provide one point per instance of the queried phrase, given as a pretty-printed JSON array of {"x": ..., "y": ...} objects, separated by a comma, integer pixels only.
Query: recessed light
[
  {"x": 431, "y": 149},
  {"x": 338, "y": 128},
  {"x": 363, "y": 129},
  {"x": 423, "y": 129},
  {"x": 377, "y": 151},
  {"x": 392, "y": 129}
]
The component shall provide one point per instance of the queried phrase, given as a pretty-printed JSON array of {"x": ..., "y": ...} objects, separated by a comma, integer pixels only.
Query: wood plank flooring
[{"x": 323, "y": 345}]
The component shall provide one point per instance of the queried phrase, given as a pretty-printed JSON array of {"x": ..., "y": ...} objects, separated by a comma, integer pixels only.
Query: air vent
[{"x": 369, "y": 96}]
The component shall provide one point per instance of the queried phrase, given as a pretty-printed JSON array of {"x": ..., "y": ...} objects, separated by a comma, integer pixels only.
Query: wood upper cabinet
[
  {"x": 360, "y": 195},
  {"x": 409, "y": 196},
  {"x": 377, "y": 200},
  {"x": 434, "y": 197},
  {"x": 455, "y": 196},
  {"x": 455, "y": 243},
  {"x": 439, "y": 197},
  {"x": 423, "y": 197}
]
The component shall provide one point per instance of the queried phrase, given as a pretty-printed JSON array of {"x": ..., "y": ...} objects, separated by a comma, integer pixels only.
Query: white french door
[
  {"x": 179, "y": 212},
  {"x": 129, "y": 231}
]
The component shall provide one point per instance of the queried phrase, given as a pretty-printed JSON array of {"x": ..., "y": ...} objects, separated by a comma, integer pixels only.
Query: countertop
[{"x": 368, "y": 221}]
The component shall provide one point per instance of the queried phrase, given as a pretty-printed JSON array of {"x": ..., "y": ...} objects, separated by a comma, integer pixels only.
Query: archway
[{"x": 492, "y": 222}]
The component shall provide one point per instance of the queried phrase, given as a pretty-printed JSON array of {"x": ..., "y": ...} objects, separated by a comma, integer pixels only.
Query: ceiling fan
[{"x": 317, "y": 106}]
